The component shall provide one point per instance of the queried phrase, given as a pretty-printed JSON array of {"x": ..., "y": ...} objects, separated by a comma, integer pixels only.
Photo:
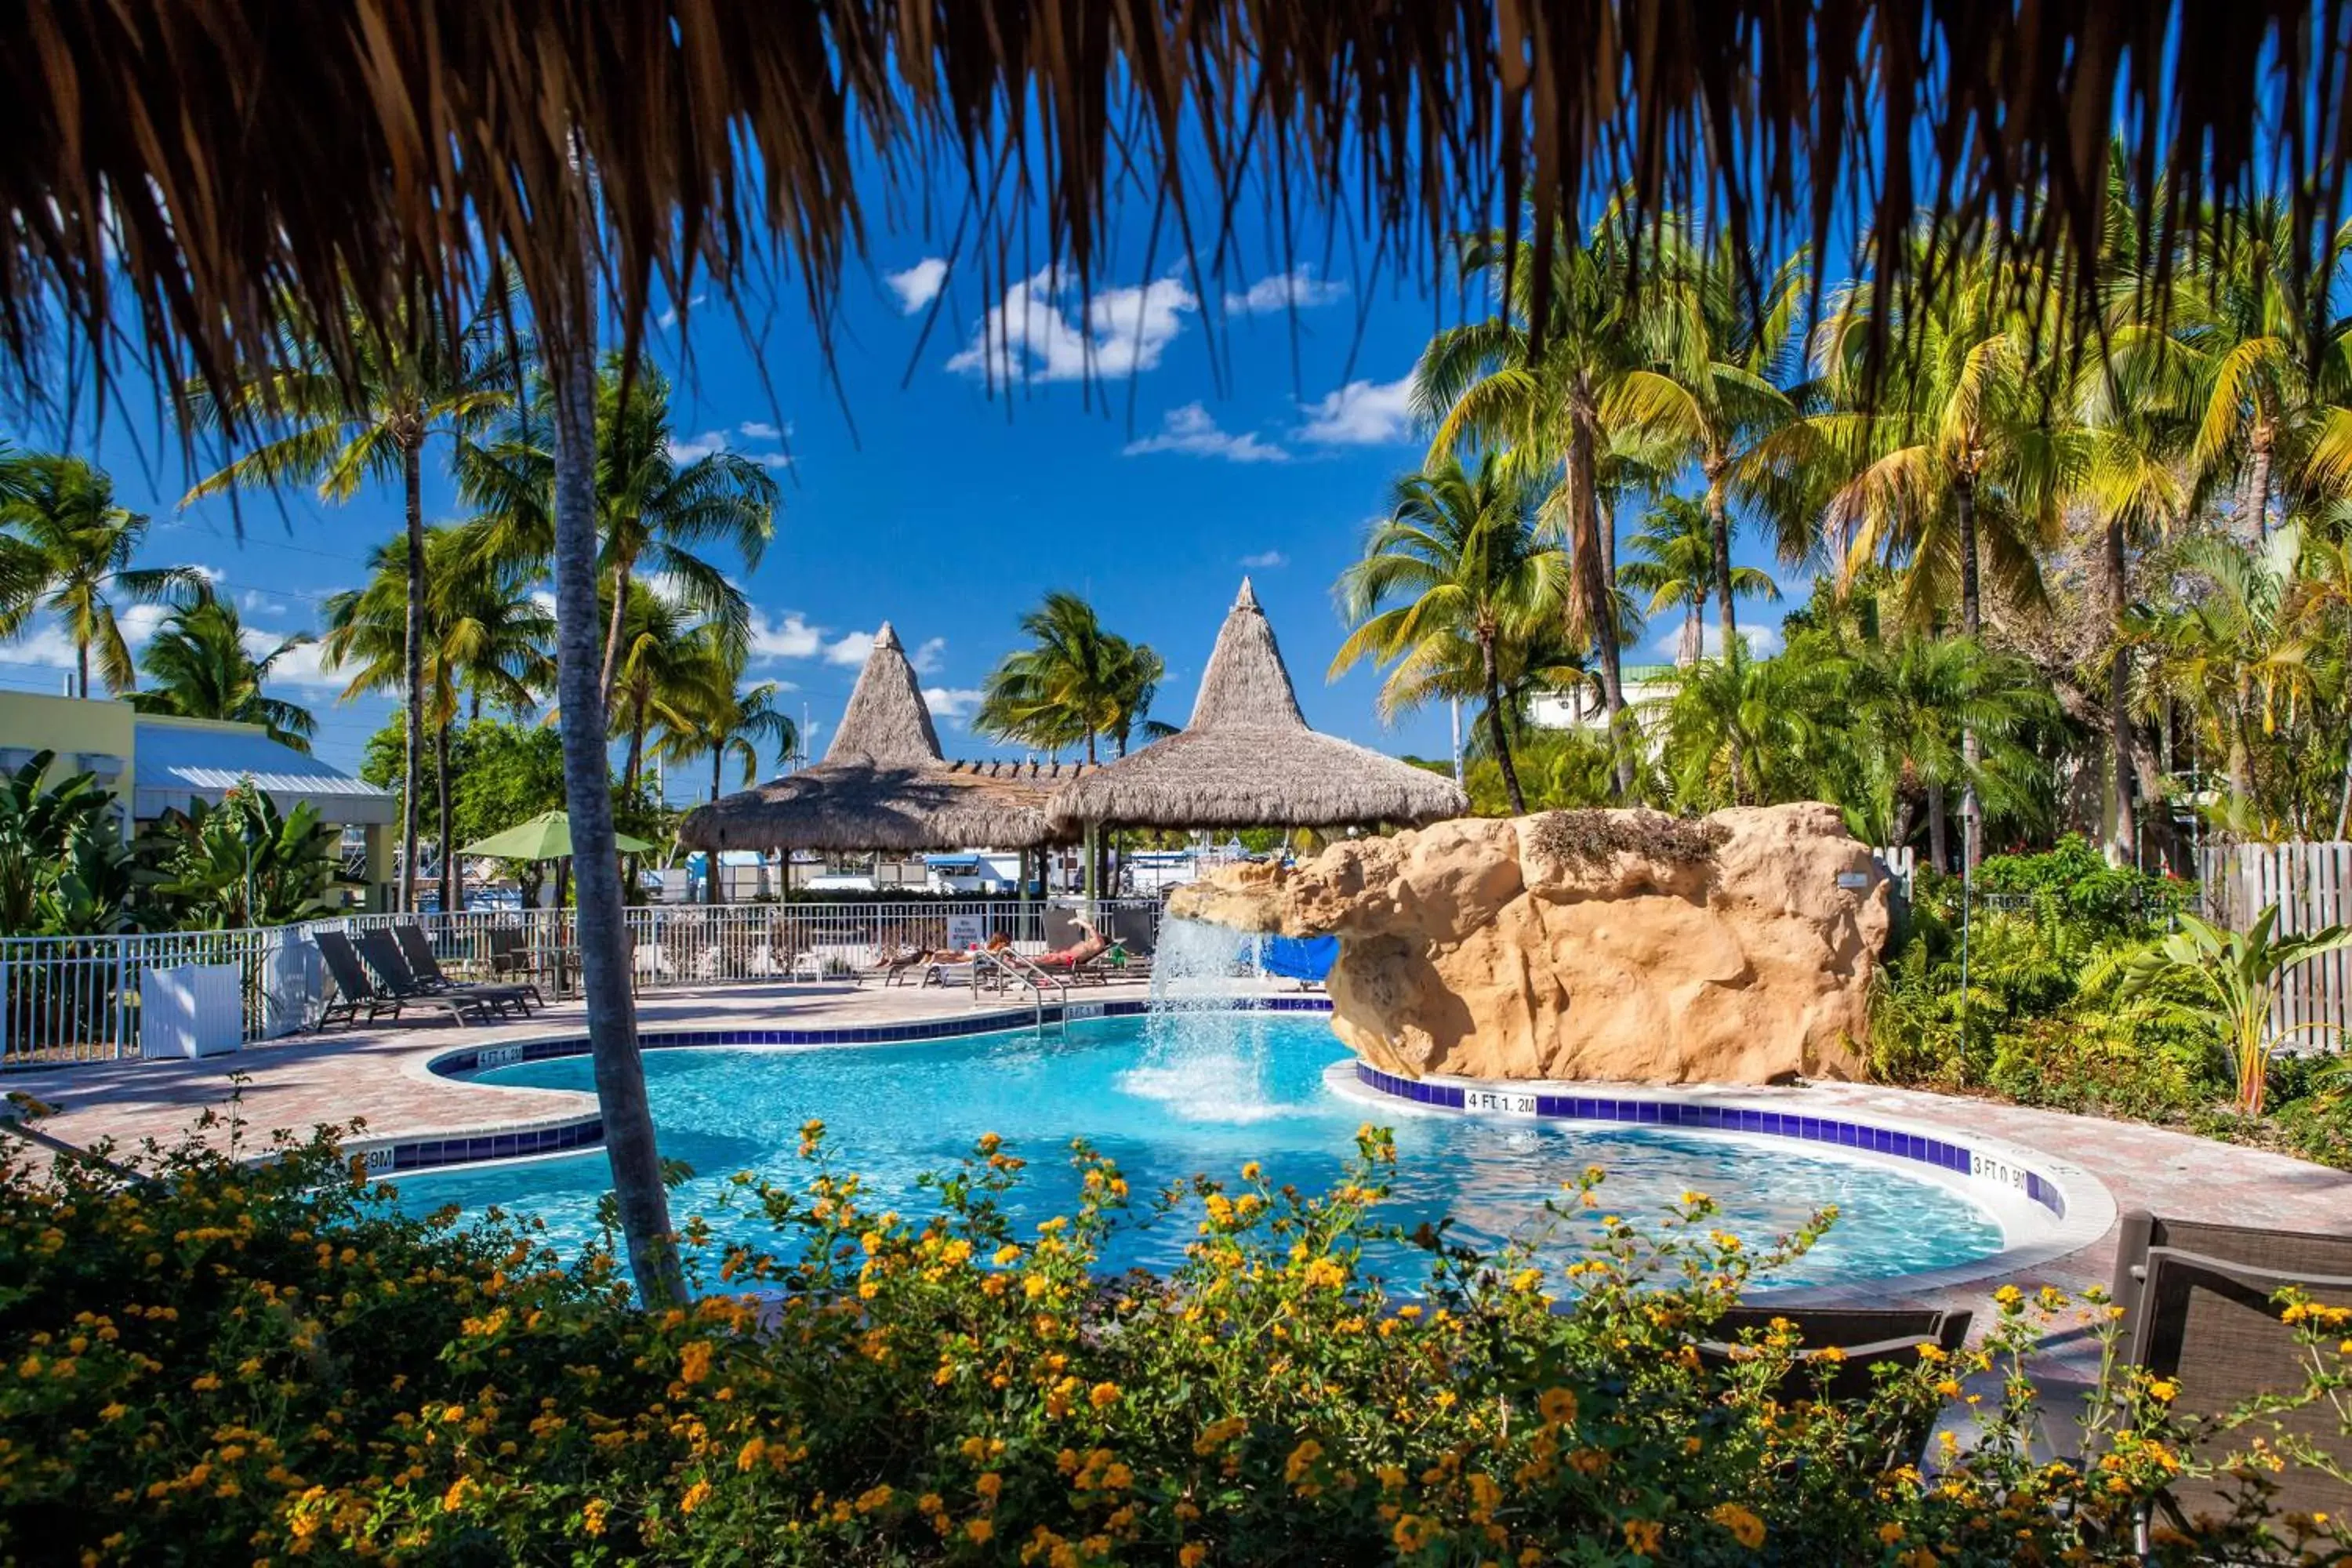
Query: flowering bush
[{"x": 214, "y": 1361}]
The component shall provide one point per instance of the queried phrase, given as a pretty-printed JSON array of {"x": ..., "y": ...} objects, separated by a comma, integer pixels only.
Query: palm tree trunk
[
  {"x": 1495, "y": 727},
  {"x": 452, "y": 885},
  {"x": 1939, "y": 847},
  {"x": 711, "y": 891},
  {"x": 2258, "y": 478},
  {"x": 2124, "y": 846},
  {"x": 1599, "y": 597},
  {"x": 412, "y": 475},
  {"x": 1687, "y": 645},
  {"x": 81, "y": 667},
  {"x": 1964, "y": 509},
  {"x": 1719, "y": 524},
  {"x": 642, "y": 1200},
  {"x": 613, "y": 632}
]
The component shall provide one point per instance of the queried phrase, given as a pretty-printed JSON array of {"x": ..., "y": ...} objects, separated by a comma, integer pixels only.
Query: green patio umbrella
[{"x": 546, "y": 837}]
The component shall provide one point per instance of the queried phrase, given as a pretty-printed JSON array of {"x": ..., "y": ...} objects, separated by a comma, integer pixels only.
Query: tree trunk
[
  {"x": 2258, "y": 478},
  {"x": 1495, "y": 727},
  {"x": 1939, "y": 847},
  {"x": 452, "y": 887},
  {"x": 710, "y": 888},
  {"x": 1964, "y": 506},
  {"x": 613, "y": 633},
  {"x": 1719, "y": 524},
  {"x": 1687, "y": 645},
  {"x": 81, "y": 667},
  {"x": 2124, "y": 846},
  {"x": 642, "y": 1200},
  {"x": 412, "y": 474},
  {"x": 1599, "y": 593}
]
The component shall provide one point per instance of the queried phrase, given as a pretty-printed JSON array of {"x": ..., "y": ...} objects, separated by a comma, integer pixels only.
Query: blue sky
[{"x": 1253, "y": 432}]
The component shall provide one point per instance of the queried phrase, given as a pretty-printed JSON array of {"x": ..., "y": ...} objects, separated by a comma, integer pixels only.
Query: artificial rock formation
[{"x": 1589, "y": 945}]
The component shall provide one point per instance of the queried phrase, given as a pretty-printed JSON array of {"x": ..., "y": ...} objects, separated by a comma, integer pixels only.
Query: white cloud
[
  {"x": 927, "y": 657},
  {"x": 1193, "y": 429},
  {"x": 668, "y": 319},
  {"x": 1120, "y": 331},
  {"x": 850, "y": 648},
  {"x": 791, "y": 637},
  {"x": 693, "y": 448},
  {"x": 1361, "y": 414},
  {"x": 302, "y": 667},
  {"x": 1296, "y": 289},
  {"x": 1266, "y": 560},
  {"x": 209, "y": 573},
  {"x": 45, "y": 643},
  {"x": 759, "y": 430},
  {"x": 953, "y": 703},
  {"x": 254, "y": 602},
  {"x": 771, "y": 459},
  {"x": 918, "y": 285}
]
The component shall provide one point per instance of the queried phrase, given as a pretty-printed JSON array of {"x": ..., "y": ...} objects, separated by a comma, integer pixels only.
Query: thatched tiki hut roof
[
  {"x": 884, "y": 784},
  {"x": 1248, "y": 760}
]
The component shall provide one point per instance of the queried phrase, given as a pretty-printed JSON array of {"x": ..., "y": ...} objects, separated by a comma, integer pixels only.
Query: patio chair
[
  {"x": 426, "y": 966},
  {"x": 2198, "y": 1310},
  {"x": 396, "y": 979},
  {"x": 354, "y": 990},
  {"x": 1867, "y": 1340}
]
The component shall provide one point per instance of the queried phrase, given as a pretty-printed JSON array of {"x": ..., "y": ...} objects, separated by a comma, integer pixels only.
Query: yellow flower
[
  {"x": 1557, "y": 1405},
  {"x": 978, "y": 1530},
  {"x": 203, "y": 1385},
  {"x": 1889, "y": 1533},
  {"x": 1103, "y": 1395},
  {"x": 1250, "y": 1173},
  {"x": 591, "y": 1517},
  {"x": 1192, "y": 1555},
  {"x": 751, "y": 1453},
  {"x": 1324, "y": 1272},
  {"x": 1302, "y": 1459},
  {"x": 1641, "y": 1536},
  {"x": 2009, "y": 1298},
  {"x": 1917, "y": 1557},
  {"x": 990, "y": 1486},
  {"x": 696, "y": 1496},
  {"x": 454, "y": 1498},
  {"x": 2164, "y": 1391},
  {"x": 1744, "y": 1527},
  {"x": 694, "y": 1361}
]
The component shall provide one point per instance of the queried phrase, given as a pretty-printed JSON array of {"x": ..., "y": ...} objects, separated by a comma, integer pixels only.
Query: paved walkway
[{"x": 378, "y": 1076}]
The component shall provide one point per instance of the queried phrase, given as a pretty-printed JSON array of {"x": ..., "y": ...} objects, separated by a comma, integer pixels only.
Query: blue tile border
[{"x": 1997, "y": 1167}]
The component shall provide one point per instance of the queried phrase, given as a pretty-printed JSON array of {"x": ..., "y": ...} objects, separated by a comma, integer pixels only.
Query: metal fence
[
  {"x": 75, "y": 999},
  {"x": 2311, "y": 883}
]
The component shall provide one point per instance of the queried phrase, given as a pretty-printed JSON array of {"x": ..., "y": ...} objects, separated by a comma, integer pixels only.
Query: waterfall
[{"x": 1201, "y": 1058}]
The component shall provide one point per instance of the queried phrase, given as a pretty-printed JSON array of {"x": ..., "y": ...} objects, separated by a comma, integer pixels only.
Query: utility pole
[{"x": 1457, "y": 705}]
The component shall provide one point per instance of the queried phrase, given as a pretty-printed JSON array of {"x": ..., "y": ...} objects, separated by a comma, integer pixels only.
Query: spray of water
[{"x": 1201, "y": 1058}]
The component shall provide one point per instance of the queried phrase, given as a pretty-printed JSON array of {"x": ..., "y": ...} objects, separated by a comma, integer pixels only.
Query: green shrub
[{"x": 224, "y": 1363}]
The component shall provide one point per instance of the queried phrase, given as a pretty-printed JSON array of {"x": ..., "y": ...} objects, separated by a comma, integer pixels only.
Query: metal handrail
[{"x": 1017, "y": 967}]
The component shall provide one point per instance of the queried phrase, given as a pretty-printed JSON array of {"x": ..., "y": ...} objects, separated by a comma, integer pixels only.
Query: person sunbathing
[{"x": 1090, "y": 946}]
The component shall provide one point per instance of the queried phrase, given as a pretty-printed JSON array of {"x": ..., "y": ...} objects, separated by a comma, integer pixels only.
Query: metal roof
[{"x": 177, "y": 759}]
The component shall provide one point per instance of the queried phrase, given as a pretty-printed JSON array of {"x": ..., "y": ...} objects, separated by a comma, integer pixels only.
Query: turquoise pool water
[{"x": 1175, "y": 1095}]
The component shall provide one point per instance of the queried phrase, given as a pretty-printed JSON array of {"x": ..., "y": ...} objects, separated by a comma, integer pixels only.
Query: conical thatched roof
[
  {"x": 1248, "y": 760},
  {"x": 884, "y": 784}
]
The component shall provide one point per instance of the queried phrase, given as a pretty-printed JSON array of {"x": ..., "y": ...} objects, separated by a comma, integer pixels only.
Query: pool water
[{"x": 1171, "y": 1096}]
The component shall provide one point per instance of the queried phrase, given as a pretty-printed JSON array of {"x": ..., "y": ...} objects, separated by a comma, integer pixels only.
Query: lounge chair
[
  {"x": 2199, "y": 1311},
  {"x": 355, "y": 990},
  {"x": 426, "y": 966},
  {"x": 396, "y": 979},
  {"x": 1867, "y": 1340}
]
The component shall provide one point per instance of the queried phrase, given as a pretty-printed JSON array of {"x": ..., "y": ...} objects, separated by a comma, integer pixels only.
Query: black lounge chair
[
  {"x": 2199, "y": 1311},
  {"x": 422, "y": 964},
  {"x": 396, "y": 979},
  {"x": 1866, "y": 1340},
  {"x": 354, "y": 990}
]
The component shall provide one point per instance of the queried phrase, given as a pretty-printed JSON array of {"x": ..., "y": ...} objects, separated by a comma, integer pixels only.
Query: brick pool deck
[{"x": 378, "y": 1076}]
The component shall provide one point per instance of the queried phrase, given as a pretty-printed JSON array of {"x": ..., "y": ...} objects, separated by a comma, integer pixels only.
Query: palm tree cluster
[{"x": 2077, "y": 556}]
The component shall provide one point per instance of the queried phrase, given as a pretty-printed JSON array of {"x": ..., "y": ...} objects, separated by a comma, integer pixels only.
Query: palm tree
[
  {"x": 1678, "y": 565},
  {"x": 1954, "y": 454},
  {"x": 1132, "y": 672},
  {"x": 656, "y": 514},
  {"x": 1076, "y": 684},
  {"x": 485, "y": 637},
  {"x": 1738, "y": 730},
  {"x": 1553, "y": 398},
  {"x": 368, "y": 417},
  {"x": 714, "y": 715},
  {"x": 199, "y": 666},
  {"x": 1455, "y": 568},
  {"x": 659, "y": 675},
  {"x": 69, "y": 552},
  {"x": 1909, "y": 703},
  {"x": 1722, "y": 351}
]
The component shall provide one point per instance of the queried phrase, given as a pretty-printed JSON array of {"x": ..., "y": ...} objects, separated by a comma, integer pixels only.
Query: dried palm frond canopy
[
  {"x": 1248, "y": 760},
  {"x": 177, "y": 175},
  {"x": 884, "y": 784}
]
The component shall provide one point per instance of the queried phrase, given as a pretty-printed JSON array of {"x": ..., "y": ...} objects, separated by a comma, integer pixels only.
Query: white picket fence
[
  {"x": 74, "y": 999},
  {"x": 2311, "y": 883}
]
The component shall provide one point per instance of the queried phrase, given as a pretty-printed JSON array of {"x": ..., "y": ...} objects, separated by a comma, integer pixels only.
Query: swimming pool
[{"x": 1169, "y": 1096}]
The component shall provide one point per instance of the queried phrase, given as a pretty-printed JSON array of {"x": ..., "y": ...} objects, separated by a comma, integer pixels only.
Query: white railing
[{"x": 75, "y": 999}]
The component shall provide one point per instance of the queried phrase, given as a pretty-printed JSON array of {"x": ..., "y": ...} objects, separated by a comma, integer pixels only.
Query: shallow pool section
[{"x": 1171, "y": 1096}]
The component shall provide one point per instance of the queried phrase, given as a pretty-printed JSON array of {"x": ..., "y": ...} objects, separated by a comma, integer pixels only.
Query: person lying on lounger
[{"x": 1090, "y": 946}]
